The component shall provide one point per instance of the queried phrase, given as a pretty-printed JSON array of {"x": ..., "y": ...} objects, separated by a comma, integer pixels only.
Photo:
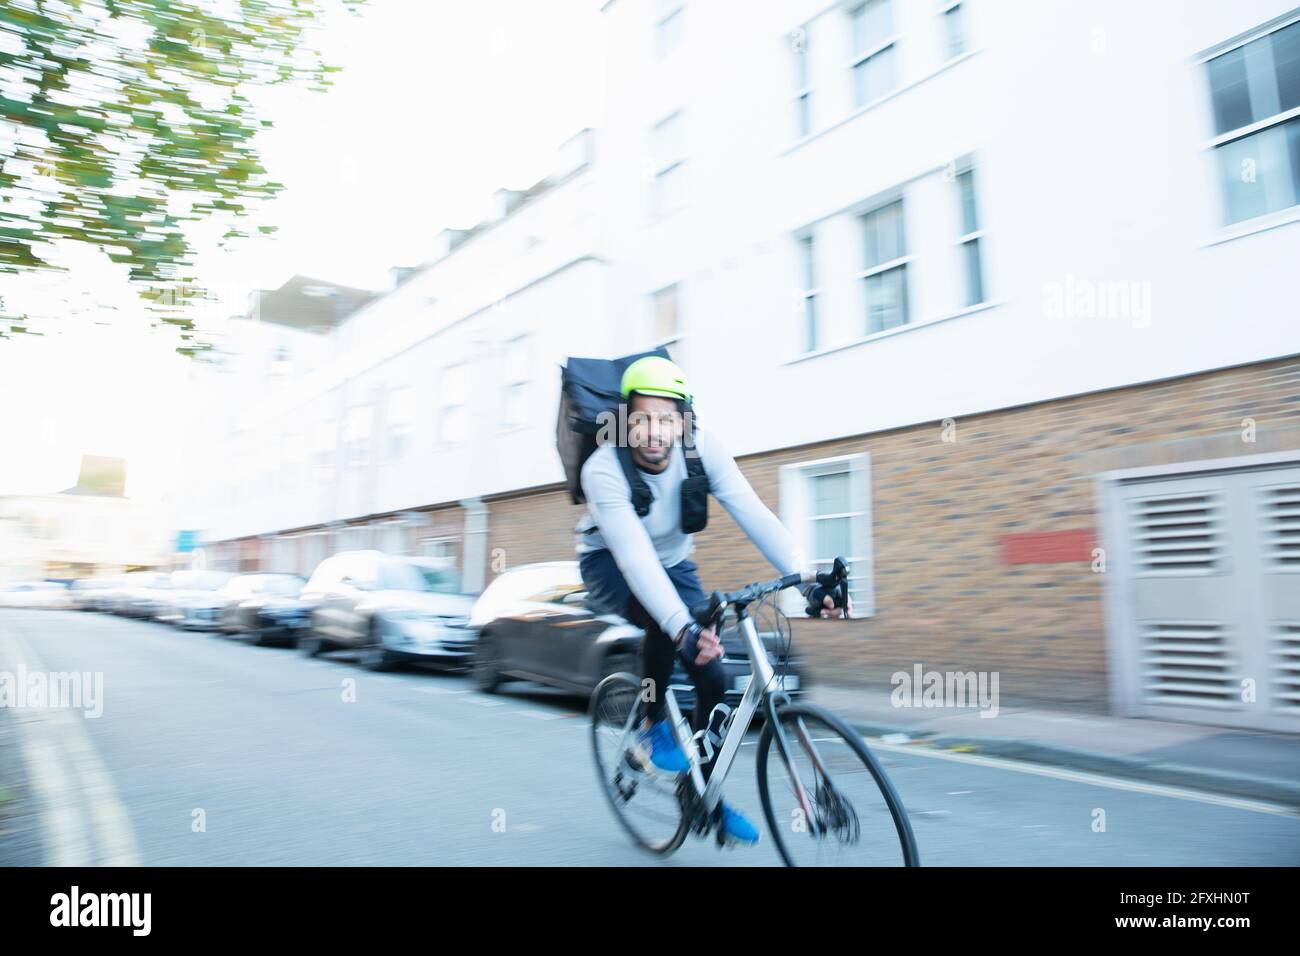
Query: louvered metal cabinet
[{"x": 1208, "y": 597}]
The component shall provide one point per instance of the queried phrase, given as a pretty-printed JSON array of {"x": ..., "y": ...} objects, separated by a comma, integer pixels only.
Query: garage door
[{"x": 1210, "y": 608}]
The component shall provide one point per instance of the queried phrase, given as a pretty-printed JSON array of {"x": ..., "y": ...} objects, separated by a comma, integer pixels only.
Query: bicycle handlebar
[{"x": 834, "y": 582}]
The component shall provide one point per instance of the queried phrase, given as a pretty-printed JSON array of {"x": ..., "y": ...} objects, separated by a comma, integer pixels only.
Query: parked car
[
  {"x": 266, "y": 607},
  {"x": 193, "y": 600},
  {"x": 388, "y": 609},
  {"x": 45, "y": 594},
  {"x": 87, "y": 594},
  {"x": 106, "y": 599},
  {"x": 534, "y": 623},
  {"x": 135, "y": 595}
]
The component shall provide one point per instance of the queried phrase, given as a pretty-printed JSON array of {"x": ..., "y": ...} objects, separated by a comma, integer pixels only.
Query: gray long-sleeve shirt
[{"x": 643, "y": 547}]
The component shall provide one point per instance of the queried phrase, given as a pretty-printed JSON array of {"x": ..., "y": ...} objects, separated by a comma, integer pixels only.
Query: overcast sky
[{"x": 439, "y": 104}]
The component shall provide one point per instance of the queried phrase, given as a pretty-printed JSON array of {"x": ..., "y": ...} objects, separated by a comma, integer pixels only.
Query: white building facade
[{"x": 956, "y": 279}]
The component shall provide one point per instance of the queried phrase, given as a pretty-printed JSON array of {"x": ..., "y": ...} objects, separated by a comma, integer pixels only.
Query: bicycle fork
[{"x": 783, "y": 749}]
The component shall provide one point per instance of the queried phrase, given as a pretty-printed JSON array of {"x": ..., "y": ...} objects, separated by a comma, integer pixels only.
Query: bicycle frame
[{"x": 760, "y": 692}]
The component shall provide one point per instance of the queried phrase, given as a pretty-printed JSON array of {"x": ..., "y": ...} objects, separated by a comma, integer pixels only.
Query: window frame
[
  {"x": 803, "y": 85},
  {"x": 662, "y": 168},
  {"x": 1228, "y": 228},
  {"x": 665, "y": 43},
  {"x": 859, "y": 57},
  {"x": 444, "y": 408},
  {"x": 898, "y": 262},
  {"x": 357, "y": 448},
  {"x": 976, "y": 236},
  {"x": 655, "y": 338},
  {"x": 944, "y": 8},
  {"x": 324, "y": 451},
  {"x": 510, "y": 385},
  {"x": 796, "y": 509},
  {"x": 808, "y": 288},
  {"x": 396, "y": 430}
]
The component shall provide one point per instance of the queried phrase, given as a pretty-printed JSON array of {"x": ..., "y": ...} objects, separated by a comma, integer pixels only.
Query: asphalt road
[{"x": 286, "y": 760}]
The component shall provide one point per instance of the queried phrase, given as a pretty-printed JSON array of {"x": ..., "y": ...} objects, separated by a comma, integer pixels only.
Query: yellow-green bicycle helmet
[{"x": 655, "y": 375}]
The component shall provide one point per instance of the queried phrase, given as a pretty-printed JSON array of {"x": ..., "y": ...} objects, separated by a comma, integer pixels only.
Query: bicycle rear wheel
[
  {"x": 826, "y": 798},
  {"x": 649, "y": 805}
]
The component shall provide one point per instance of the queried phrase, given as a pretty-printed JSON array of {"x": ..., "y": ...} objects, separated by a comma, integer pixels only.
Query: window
[
  {"x": 669, "y": 21},
  {"x": 666, "y": 314},
  {"x": 953, "y": 18},
  {"x": 808, "y": 293},
  {"x": 885, "y": 276},
  {"x": 439, "y": 547},
  {"x": 1255, "y": 96},
  {"x": 803, "y": 119},
  {"x": 826, "y": 505},
  {"x": 667, "y": 154},
  {"x": 969, "y": 240},
  {"x": 517, "y": 371},
  {"x": 400, "y": 418},
  {"x": 322, "y": 456},
  {"x": 872, "y": 65},
  {"x": 291, "y": 444},
  {"x": 356, "y": 436},
  {"x": 452, "y": 401}
]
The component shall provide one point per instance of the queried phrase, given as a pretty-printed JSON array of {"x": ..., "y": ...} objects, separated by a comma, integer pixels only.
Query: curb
[{"x": 1270, "y": 789}]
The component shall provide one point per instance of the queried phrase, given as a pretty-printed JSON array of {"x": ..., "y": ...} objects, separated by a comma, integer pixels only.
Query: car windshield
[
  {"x": 440, "y": 580},
  {"x": 200, "y": 580},
  {"x": 400, "y": 576},
  {"x": 281, "y": 584}
]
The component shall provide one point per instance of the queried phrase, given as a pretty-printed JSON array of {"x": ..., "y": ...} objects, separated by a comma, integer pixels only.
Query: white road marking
[
  {"x": 62, "y": 823},
  {"x": 79, "y": 805},
  {"x": 1093, "y": 779}
]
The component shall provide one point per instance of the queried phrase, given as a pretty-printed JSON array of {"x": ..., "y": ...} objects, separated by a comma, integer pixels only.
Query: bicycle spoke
[
  {"x": 645, "y": 801},
  {"x": 826, "y": 806}
]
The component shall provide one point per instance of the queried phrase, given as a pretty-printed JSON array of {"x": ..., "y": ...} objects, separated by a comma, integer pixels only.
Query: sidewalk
[{"x": 1252, "y": 764}]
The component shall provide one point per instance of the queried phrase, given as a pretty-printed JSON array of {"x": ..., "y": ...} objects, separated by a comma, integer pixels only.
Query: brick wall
[
  {"x": 945, "y": 595},
  {"x": 536, "y": 527}
]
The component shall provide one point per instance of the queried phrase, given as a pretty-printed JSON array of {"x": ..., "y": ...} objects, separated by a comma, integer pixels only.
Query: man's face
[{"x": 654, "y": 425}]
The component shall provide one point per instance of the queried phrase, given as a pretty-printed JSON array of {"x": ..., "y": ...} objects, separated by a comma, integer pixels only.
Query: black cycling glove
[
  {"x": 688, "y": 641},
  {"x": 816, "y": 595}
]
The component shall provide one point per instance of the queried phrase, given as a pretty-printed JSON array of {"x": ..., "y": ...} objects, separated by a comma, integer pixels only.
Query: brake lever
[{"x": 835, "y": 584}]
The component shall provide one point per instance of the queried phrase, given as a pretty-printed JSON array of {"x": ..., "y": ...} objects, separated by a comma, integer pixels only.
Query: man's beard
[{"x": 654, "y": 456}]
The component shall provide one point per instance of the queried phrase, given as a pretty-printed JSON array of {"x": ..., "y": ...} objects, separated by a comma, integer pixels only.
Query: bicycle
[{"x": 816, "y": 817}]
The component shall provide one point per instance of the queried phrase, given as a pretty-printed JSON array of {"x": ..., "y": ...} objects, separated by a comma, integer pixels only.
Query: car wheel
[
  {"x": 311, "y": 644},
  {"x": 374, "y": 656},
  {"x": 486, "y": 667}
]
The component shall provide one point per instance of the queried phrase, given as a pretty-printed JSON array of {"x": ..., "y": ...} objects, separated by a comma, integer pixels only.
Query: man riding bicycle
[{"x": 639, "y": 567}]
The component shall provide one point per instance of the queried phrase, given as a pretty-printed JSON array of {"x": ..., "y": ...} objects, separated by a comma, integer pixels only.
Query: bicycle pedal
[{"x": 635, "y": 757}]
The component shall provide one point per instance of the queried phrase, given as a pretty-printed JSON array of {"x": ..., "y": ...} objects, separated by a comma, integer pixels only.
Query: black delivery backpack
[{"x": 590, "y": 389}]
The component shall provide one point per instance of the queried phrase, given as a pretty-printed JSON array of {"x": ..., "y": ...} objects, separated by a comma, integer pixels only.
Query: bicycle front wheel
[
  {"x": 649, "y": 804},
  {"x": 827, "y": 800}
]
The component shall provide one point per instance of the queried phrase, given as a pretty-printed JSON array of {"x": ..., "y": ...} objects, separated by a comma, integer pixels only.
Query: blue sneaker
[
  {"x": 663, "y": 750},
  {"x": 736, "y": 826}
]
